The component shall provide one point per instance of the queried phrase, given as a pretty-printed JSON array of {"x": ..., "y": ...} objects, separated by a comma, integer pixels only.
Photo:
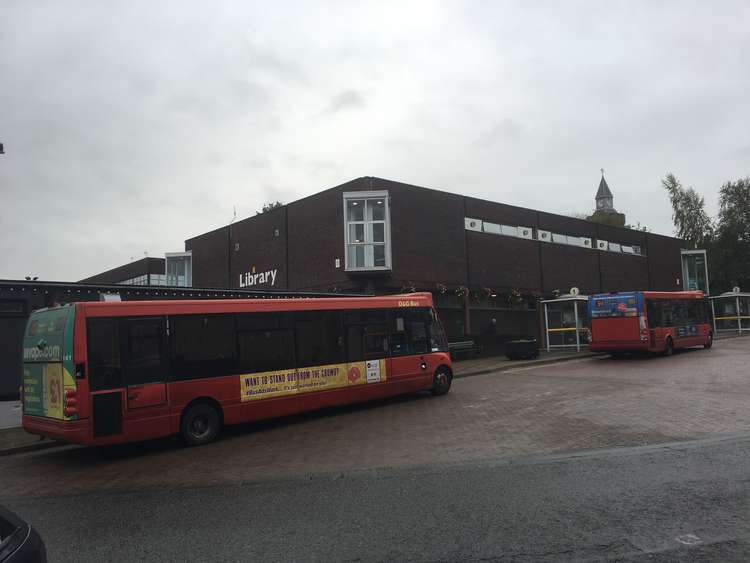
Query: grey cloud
[
  {"x": 137, "y": 128},
  {"x": 505, "y": 129},
  {"x": 348, "y": 99}
]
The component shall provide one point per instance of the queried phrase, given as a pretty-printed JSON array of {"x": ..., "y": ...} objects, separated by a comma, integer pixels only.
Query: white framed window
[
  {"x": 367, "y": 231},
  {"x": 178, "y": 269}
]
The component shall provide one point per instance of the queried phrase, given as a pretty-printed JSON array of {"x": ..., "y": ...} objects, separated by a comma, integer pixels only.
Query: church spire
[
  {"x": 604, "y": 197},
  {"x": 605, "y": 212}
]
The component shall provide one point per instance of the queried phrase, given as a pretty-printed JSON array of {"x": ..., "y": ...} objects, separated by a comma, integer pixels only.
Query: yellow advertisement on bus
[{"x": 282, "y": 383}]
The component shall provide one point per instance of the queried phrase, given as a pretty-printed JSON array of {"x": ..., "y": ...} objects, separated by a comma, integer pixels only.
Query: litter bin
[{"x": 522, "y": 349}]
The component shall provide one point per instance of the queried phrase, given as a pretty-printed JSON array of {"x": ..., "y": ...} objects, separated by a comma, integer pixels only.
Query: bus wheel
[
  {"x": 441, "y": 382},
  {"x": 668, "y": 347},
  {"x": 710, "y": 342},
  {"x": 200, "y": 424}
]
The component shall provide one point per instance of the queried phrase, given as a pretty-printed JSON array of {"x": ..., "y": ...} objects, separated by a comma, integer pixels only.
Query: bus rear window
[
  {"x": 45, "y": 332},
  {"x": 47, "y": 322},
  {"x": 615, "y": 306}
]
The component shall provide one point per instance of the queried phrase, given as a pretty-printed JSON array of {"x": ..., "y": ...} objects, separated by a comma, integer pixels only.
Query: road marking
[{"x": 688, "y": 539}]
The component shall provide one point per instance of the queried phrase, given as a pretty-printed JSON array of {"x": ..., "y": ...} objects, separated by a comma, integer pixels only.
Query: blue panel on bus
[{"x": 607, "y": 305}]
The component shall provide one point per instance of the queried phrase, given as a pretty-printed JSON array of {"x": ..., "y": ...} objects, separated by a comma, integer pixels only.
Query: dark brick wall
[
  {"x": 254, "y": 243},
  {"x": 210, "y": 258},
  {"x": 665, "y": 266},
  {"x": 316, "y": 238},
  {"x": 427, "y": 238},
  {"x": 499, "y": 262},
  {"x": 622, "y": 272},
  {"x": 127, "y": 271},
  {"x": 427, "y": 233},
  {"x": 564, "y": 267}
]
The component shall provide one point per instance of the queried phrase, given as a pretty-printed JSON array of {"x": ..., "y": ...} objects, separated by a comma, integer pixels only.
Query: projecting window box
[{"x": 367, "y": 231}]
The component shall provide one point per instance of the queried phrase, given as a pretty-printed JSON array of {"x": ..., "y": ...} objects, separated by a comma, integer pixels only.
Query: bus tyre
[
  {"x": 441, "y": 382},
  {"x": 200, "y": 424},
  {"x": 710, "y": 341},
  {"x": 668, "y": 346}
]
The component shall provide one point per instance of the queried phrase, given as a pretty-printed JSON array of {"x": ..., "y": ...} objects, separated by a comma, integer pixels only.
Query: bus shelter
[
  {"x": 566, "y": 323},
  {"x": 731, "y": 312}
]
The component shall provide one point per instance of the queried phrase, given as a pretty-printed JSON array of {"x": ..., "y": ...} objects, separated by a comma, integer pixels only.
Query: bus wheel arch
[
  {"x": 441, "y": 380},
  {"x": 201, "y": 421}
]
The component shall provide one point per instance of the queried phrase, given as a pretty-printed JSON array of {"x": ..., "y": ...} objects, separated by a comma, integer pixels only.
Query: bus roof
[
  {"x": 654, "y": 294},
  {"x": 208, "y": 306}
]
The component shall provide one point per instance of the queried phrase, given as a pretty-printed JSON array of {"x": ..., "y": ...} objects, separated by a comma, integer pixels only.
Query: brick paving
[{"x": 580, "y": 404}]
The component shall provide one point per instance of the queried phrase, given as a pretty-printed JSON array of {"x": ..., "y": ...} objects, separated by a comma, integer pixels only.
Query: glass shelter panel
[{"x": 566, "y": 322}]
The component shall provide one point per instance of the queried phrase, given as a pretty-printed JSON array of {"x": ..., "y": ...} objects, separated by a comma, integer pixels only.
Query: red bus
[
  {"x": 111, "y": 372},
  {"x": 649, "y": 321}
]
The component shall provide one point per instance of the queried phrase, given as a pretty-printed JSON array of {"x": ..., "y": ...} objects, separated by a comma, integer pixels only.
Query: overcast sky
[{"x": 131, "y": 126}]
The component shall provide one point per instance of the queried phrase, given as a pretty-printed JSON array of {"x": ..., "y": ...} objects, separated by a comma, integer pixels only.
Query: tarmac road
[{"x": 685, "y": 501}]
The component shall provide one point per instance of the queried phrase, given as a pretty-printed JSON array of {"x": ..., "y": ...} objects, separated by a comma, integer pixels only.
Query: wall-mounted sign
[{"x": 252, "y": 278}]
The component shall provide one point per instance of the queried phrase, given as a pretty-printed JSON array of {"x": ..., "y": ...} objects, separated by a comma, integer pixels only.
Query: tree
[
  {"x": 269, "y": 206},
  {"x": 731, "y": 249},
  {"x": 688, "y": 213}
]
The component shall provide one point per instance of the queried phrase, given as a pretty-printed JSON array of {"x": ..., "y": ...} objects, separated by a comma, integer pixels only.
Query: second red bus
[{"x": 649, "y": 321}]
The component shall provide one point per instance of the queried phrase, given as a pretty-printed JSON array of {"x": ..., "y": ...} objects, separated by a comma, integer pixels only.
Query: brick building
[{"x": 486, "y": 263}]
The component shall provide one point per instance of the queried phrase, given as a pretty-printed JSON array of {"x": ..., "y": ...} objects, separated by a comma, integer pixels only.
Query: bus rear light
[{"x": 71, "y": 403}]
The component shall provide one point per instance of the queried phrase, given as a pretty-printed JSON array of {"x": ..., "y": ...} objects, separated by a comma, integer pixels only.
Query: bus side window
[
  {"x": 399, "y": 339},
  {"x": 265, "y": 342},
  {"x": 376, "y": 333},
  {"x": 667, "y": 317},
  {"x": 202, "y": 345},
  {"x": 410, "y": 332},
  {"x": 366, "y": 335},
  {"x": 105, "y": 369},
  {"x": 654, "y": 312},
  {"x": 319, "y": 338},
  {"x": 143, "y": 350},
  {"x": 355, "y": 343}
]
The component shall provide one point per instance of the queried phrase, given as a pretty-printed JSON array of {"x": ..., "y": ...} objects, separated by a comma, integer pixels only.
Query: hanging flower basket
[{"x": 409, "y": 287}]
